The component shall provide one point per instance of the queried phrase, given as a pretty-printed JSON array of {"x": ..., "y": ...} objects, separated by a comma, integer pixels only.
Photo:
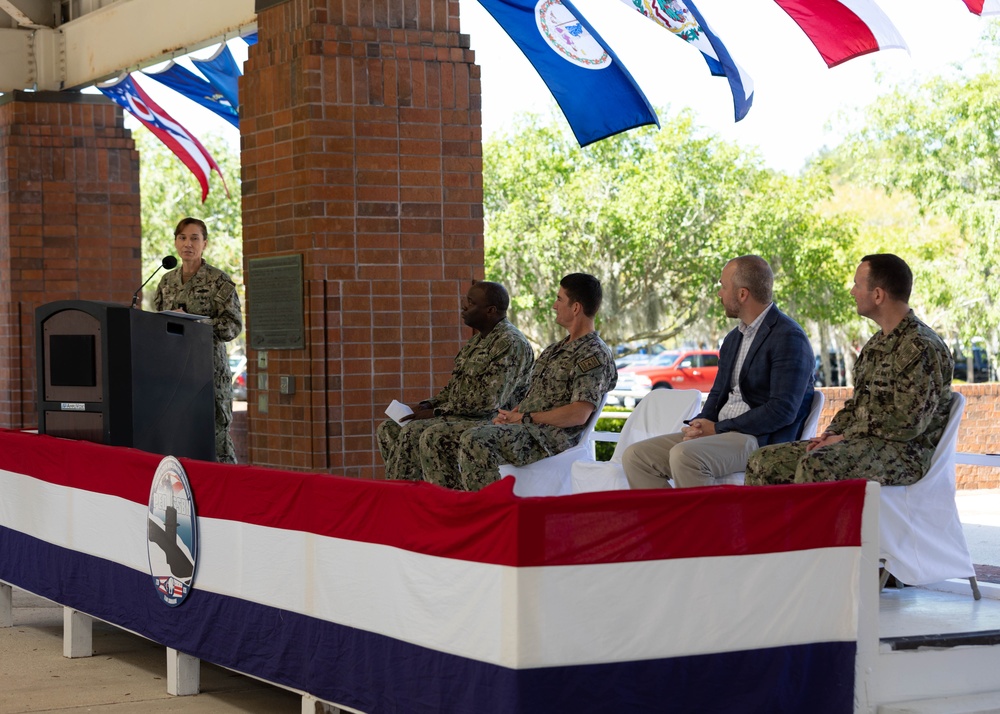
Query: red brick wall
[
  {"x": 978, "y": 434},
  {"x": 69, "y": 222},
  {"x": 362, "y": 151}
]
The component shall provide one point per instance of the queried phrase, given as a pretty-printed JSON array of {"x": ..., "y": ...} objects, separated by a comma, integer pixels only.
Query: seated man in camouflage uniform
[
  {"x": 491, "y": 371},
  {"x": 568, "y": 381},
  {"x": 888, "y": 430}
]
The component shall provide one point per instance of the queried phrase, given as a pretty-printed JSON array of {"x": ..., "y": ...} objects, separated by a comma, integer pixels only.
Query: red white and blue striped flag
[
  {"x": 127, "y": 93},
  {"x": 983, "y": 7},
  {"x": 844, "y": 29}
]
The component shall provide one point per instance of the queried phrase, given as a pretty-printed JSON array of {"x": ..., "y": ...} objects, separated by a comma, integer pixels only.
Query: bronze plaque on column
[{"x": 274, "y": 288}]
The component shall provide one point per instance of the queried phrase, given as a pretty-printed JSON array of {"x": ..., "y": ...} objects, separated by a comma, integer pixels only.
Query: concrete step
[{"x": 988, "y": 703}]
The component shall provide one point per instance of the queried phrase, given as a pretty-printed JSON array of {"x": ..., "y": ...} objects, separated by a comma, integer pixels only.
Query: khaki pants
[{"x": 698, "y": 462}]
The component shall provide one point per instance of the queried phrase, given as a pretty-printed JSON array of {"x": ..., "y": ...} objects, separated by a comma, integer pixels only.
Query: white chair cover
[
  {"x": 550, "y": 476},
  {"x": 660, "y": 412},
  {"x": 809, "y": 427},
  {"x": 811, "y": 424},
  {"x": 920, "y": 534}
]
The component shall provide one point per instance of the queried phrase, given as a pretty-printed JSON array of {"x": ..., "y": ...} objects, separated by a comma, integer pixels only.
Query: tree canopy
[
  {"x": 936, "y": 147},
  {"x": 655, "y": 215}
]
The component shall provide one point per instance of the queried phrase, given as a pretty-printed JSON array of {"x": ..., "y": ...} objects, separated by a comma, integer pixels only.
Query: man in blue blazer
[{"x": 766, "y": 404}]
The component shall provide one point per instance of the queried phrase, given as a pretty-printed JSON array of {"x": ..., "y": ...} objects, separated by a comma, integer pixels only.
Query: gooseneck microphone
[{"x": 169, "y": 262}]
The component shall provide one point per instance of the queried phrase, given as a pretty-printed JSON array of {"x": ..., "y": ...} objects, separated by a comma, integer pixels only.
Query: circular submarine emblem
[{"x": 172, "y": 533}]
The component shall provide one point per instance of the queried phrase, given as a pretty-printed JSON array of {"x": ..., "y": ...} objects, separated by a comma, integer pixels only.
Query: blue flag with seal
[
  {"x": 592, "y": 87},
  {"x": 222, "y": 72},
  {"x": 186, "y": 82}
]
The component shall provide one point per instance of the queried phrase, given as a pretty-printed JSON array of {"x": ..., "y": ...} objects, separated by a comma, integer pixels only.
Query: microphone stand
[{"x": 170, "y": 262}]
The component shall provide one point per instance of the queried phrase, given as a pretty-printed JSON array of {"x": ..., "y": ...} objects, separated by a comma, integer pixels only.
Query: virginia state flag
[
  {"x": 189, "y": 150},
  {"x": 186, "y": 82},
  {"x": 222, "y": 72},
  {"x": 684, "y": 20},
  {"x": 594, "y": 90}
]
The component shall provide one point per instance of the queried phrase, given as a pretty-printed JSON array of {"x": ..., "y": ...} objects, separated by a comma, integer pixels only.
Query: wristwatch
[{"x": 526, "y": 418}]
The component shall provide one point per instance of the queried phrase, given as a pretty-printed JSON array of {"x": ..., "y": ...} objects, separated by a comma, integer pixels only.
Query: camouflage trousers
[
  {"x": 225, "y": 452},
  {"x": 482, "y": 449},
  {"x": 439, "y": 447},
  {"x": 855, "y": 458},
  {"x": 422, "y": 448}
]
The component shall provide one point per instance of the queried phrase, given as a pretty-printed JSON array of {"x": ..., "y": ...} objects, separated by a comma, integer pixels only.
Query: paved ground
[
  {"x": 980, "y": 512},
  {"x": 128, "y": 674}
]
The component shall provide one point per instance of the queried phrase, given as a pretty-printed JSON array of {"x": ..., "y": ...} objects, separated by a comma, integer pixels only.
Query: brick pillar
[
  {"x": 69, "y": 222},
  {"x": 362, "y": 151}
]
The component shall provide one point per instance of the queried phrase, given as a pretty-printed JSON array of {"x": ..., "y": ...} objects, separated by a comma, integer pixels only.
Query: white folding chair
[
  {"x": 809, "y": 427},
  {"x": 660, "y": 412},
  {"x": 551, "y": 476},
  {"x": 920, "y": 535}
]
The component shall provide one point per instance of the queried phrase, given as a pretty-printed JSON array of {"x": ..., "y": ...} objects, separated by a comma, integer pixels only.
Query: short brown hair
[
  {"x": 192, "y": 221},
  {"x": 753, "y": 273},
  {"x": 584, "y": 289},
  {"x": 891, "y": 273}
]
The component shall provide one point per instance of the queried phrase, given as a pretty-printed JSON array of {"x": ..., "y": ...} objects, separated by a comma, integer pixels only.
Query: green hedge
[{"x": 604, "y": 449}]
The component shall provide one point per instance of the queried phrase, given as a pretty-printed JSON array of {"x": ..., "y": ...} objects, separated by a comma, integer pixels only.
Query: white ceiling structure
[{"x": 51, "y": 45}]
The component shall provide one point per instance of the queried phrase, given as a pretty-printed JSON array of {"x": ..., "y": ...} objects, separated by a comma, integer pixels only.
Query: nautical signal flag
[
  {"x": 983, "y": 7},
  {"x": 127, "y": 93},
  {"x": 682, "y": 18},
  {"x": 843, "y": 30},
  {"x": 186, "y": 82},
  {"x": 592, "y": 87}
]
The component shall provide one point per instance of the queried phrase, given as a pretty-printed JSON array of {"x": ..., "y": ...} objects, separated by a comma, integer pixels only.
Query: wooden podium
[{"x": 115, "y": 375}]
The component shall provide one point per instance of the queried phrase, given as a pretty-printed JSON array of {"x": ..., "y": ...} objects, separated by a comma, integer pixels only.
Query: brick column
[
  {"x": 69, "y": 222},
  {"x": 362, "y": 151}
]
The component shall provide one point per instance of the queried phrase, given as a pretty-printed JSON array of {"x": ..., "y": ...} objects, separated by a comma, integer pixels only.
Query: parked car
[
  {"x": 982, "y": 370},
  {"x": 673, "y": 369},
  {"x": 632, "y": 360},
  {"x": 238, "y": 366}
]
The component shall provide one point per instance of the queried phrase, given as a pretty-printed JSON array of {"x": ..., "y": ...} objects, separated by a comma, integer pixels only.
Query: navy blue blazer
[{"x": 776, "y": 380}]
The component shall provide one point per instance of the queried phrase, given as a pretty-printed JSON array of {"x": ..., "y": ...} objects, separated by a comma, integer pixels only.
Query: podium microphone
[{"x": 169, "y": 262}]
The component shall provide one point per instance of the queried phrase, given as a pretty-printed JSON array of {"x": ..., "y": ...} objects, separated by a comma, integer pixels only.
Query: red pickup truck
[{"x": 674, "y": 369}]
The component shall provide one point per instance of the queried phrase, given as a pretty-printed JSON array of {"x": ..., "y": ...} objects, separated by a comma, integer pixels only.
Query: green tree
[
  {"x": 637, "y": 210},
  {"x": 169, "y": 192},
  {"x": 654, "y": 214},
  {"x": 938, "y": 142}
]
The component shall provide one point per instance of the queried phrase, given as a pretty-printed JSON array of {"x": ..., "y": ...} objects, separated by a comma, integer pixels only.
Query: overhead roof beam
[
  {"x": 29, "y": 13},
  {"x": 124, "y": 35}
]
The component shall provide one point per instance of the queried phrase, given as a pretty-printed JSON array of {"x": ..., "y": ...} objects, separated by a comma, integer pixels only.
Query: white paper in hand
[{"x": 397, "y": 410}]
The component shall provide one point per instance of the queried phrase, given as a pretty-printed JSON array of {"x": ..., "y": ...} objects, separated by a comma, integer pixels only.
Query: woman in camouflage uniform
[{"x": 198, "y": 288}]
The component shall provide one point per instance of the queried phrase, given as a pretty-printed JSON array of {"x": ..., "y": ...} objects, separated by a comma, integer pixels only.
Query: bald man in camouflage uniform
[
  {"x": 206, "y": 291},
  {"x": 888, "y": 430},
  {"x": 568, "y": 381},
  {"x": 491, "y": 372}
]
